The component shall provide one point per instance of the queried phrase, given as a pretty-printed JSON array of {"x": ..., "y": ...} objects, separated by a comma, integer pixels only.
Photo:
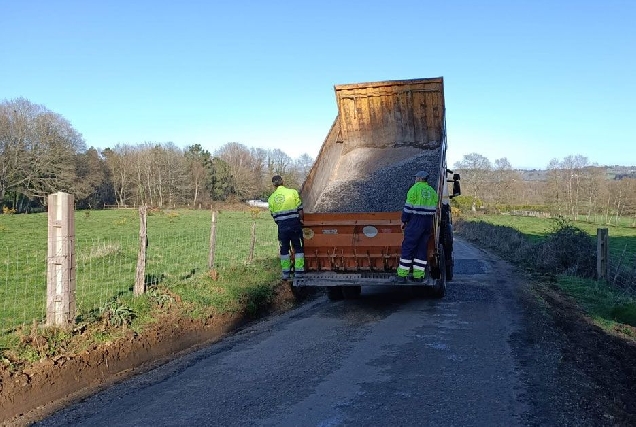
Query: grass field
[
  {"x": 107, "y": 243},
  {"x": 622, "y": 240}
]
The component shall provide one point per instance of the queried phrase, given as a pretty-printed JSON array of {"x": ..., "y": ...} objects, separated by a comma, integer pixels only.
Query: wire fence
[
  {"x": 106, "y": 266},
  {"x": 621, "y": 267}
]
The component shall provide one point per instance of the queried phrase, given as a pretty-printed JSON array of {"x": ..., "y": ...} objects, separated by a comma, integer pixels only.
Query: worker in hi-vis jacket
[
  {"x": 417, "y": 223},
  {"x": 287, "y": 210}
]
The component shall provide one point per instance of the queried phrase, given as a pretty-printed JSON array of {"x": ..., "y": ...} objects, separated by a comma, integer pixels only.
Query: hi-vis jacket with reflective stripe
[
  {"x": 284, "y": 204},
  {"x": 421, "y": 201}
]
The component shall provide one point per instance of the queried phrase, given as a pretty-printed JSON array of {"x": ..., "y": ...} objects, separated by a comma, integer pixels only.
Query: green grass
[
  {"x": 107, "y": 243},
  {"x": 608, "y": 306},
  {"x": 622, "y": 240}
]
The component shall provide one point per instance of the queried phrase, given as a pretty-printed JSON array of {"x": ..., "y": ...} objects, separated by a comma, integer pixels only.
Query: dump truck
[{"x": 354, "y": 193}]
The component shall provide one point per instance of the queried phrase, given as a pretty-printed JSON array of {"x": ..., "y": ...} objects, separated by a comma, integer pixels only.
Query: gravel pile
[{"x": 374, "y": 186}]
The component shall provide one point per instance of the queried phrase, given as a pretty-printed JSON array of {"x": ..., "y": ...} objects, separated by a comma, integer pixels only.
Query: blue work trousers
[{"x": 415, "y": 245}]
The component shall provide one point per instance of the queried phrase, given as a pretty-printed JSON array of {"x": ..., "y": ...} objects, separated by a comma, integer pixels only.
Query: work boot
[
  {"x": 399, "y": 279},
  {"x": 417, "y": 280}
]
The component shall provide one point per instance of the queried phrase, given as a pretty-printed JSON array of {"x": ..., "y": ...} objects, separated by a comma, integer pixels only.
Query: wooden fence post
[
  {"x": 250, "y": 257},
  {"x": 140, "y": 278},
  {"x": 212, "y": 242},
  {"x": 602, "y": 251},
  {"x": 60, "y": 269}
]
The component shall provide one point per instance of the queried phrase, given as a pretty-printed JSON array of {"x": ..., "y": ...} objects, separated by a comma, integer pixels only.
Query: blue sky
[{"x": 527, "y": 80}]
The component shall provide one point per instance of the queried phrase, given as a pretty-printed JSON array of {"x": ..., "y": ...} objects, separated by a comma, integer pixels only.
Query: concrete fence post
[
  {"x": 602, "y": 251},
  {"x": 60, "y": 268}
]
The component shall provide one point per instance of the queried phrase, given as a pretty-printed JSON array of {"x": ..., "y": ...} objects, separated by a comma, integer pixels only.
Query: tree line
[
  {"x": 571, "y": 187},
  {"x": 41, "y": 153}
]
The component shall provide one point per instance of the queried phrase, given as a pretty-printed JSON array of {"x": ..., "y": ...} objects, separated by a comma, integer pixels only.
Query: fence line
[{"x": 106, "y": 268}]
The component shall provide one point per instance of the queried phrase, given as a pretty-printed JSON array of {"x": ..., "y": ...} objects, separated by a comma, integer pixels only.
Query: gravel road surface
[{"x": 386, "y": 359}]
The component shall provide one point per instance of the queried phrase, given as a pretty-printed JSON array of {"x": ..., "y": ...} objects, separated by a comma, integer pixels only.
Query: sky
[{"x": 526, "y": 80}]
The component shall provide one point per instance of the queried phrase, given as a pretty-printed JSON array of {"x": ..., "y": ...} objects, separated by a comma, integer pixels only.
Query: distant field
[
  {"x": 622, "y": 240},
  {"x": 107, "y": 243}
]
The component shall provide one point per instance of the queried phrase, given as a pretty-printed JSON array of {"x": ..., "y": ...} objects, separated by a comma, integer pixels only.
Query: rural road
[{"x": 385, "y": 359}]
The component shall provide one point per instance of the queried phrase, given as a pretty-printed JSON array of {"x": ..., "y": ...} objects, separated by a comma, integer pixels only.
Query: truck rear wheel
[
  {"x": 447, "y": 238},
  {"x": 449, "y": 269},
  {"x": 351, "y": 292},
  {"x": 334, "y": 293},
  {"x": 440, "y": 284}
]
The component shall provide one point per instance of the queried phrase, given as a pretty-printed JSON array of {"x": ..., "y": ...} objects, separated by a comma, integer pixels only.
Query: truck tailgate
[{"x": 368, "y": 242}]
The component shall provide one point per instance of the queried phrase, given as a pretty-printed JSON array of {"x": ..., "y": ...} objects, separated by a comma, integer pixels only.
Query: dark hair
[{"x": 277, "y": 180}]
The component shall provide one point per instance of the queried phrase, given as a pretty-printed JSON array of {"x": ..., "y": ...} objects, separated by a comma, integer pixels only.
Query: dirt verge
[
  {"x": 595, "y": 365},
  {"x": 49, "y": 385}
]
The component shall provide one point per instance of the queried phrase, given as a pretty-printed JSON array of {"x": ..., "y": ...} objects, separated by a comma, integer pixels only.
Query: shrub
[{"x": 567, "y": 250}]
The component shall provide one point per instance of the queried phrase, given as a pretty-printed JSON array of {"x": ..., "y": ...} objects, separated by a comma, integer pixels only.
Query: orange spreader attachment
[{"x": 352, "y": 241}]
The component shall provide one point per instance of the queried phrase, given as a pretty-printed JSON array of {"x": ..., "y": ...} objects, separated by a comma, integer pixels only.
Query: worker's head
[
  {"x": 277, "y": 180},
  {"x": 421, "y": 176}
]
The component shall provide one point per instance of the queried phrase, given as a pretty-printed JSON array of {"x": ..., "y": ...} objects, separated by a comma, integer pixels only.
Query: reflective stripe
[
  {"x": 299, "y": 262},
  {"x": 288, "y": 211},
  {"x": 278, "y": 218},
  {"x": 406, "y": 261},
  {"x": 420, "y": 262},
  {"x": 420, "y": 211}
]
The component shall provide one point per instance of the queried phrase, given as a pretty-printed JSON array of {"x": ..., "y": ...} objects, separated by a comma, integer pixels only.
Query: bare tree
[
  {"x": 572, "y": 166},
  {"x": 120, "y": 161},
  {"x": 37, "y": 150},
  {"x": 240, "y": 161},
  {"x": 278, "y": 162},
  {"x": 504, "y": 180},
  {"x": 629, "y": 185},
  {"x": 301, "y": 167},
  {"x": 174, "y": 167},
  {"x": 476, "y": 170},
  {"x": 593, "y": 187}
]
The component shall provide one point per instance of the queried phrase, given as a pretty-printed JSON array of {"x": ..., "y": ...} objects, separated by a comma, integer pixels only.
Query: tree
[
  {"x": 301, "y": 166},
  {"x": 505, "y": 182},
  {"x": 37, "y": 150},
  {"x": 278, "y": 162},
  {"x": 120, "y": 164},
  {"x": 572, "y": 166},
  {"x": 553, "y": 193},
  {"x": 93, "y": 187},
  {"x": 476, "y": 170},
  {"x": 200, "y": 170},
  {"x": 222, "y": 185},
  {"x": 241, "y": 164}
]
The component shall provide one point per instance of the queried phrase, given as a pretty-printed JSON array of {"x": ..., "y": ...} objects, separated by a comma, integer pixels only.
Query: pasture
[{"x": 107, "y": 243}]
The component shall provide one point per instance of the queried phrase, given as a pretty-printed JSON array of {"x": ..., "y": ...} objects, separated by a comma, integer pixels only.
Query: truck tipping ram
[{"x": 354, "y": 194}]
